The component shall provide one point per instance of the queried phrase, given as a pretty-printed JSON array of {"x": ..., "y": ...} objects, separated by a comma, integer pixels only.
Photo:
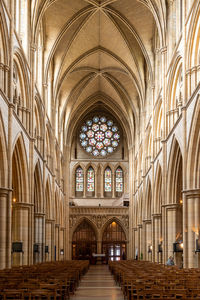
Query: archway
[
  {"x": 84, "y": 242},
  {"x": 114, "y": 242}
]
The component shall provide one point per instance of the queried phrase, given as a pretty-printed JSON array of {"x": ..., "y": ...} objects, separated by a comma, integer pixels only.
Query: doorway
[
  {"x": 114, "y": 242},
  {"x": 84, "y": 242}
]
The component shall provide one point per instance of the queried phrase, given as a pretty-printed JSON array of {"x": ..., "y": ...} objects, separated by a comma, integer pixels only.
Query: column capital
[
  {"x": 39, "y": 214},
  {"x": 6, "y": 68},
  {"x": 147, "y": 221},
  {"x": 158, "y": 215},
  {"x": 171, "y": 205},
  {"x": 193, "y": 193},
  {"x": 50, "y": 221},
  {"x": 4, "y": 191},
  {"x": 163, "y": 50}
]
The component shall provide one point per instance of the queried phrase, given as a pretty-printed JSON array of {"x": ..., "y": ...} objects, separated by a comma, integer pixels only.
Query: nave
[{"x": 98, "y": 283}]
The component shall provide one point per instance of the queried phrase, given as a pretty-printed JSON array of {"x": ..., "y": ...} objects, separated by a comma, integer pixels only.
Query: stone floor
[{"x": 98, "y": 284}]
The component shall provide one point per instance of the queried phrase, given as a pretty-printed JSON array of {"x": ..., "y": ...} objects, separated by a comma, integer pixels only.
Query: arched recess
[
  {"x": 192, "y": 193},
  {"x": 193, "y": 160},
  {"x": 62, "y": 228},
  {"x": 149, "y": 143},
  {"x": 84, "y": 240},
  {"x": 108, "y": 181},
  {"x": 174, "y": 208},
  {"x": 3, "y": 195},
  {"x": 38, "y": 126},
  {"x": 119, "y": 181},
  {"x": 114, "y": 241},
  {"x": 148, "y": 222},
  {"x": 57, "y": 225},
  {"x": 175, "y": 93},
  {"x": 3, "y": 155},
  {"x": 49, "y": 223},
  {"x": 157, "y": 217},
  {"x": 158, "y": 190},
  {"x": 158, "y": 127},
  {"x": 4, "y": 51},
  {"x": 38, "y": 249},
  {"x": 90, "y": 181},
  {"x": 79, "y": 181},
  {"x": 48, "y": 147},
  {"x": 21, "y": 88},
  {"x": 21, "y": 209},
  {"x": 193, "y": 50}
]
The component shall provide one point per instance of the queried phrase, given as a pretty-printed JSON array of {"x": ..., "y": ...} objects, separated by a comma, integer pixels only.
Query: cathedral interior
[{"x": 99, "y": 131}]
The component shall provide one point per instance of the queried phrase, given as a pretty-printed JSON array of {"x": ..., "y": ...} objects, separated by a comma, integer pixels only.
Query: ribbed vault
[{"x": 99, "y": 48}]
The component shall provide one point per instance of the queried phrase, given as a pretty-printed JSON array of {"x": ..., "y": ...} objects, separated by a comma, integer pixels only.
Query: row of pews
[
  {"x": 142, "y": 280},
  {"x": 52, "y": 280}
]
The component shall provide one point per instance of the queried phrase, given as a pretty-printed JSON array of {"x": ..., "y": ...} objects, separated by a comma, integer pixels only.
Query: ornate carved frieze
[{"x": 99, "y": 215}]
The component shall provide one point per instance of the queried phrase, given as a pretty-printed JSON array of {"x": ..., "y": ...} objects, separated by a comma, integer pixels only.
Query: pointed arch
[
  {"x": 174, "y": 178},
  {"x": 38, "y": 190},
  {"x": 79, "y": 179},
  {"x": 108, "y": 174},
  {"x": 4, "y": 38},
  {"x": 57, "y": 207},
  {"x": 158, "y": 190},
  {"x": 193, "y": 159},
  {"x": 20, "y": 180},
  {"x": 116, "y": 220},
  {"x": 48, "y": 198},
  {"x": 3, "y": 154},
  {"x": 90, "y": 177},
  {"x": 148, "y": 200},
  {"x": 175, "y": 92}
]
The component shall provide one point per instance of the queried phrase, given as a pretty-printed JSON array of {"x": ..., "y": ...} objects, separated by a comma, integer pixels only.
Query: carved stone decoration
[
  {"x": 125, "y": 221},
  {"x": 72, "y": 221},
  {"x": 99, "y": 216}
]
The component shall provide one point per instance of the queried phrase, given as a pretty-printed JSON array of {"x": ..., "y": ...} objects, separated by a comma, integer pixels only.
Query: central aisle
[{"x": 98, "y": 283}]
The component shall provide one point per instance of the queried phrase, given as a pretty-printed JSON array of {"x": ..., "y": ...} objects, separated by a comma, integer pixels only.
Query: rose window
[{"x": 99, "y": 136}]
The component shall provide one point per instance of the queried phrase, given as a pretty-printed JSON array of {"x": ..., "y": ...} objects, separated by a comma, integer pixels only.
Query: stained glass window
[
  {"x": 90, "y": 180},
  {"x": 108, "y": 180},
  {"x": 99, "y": 136},
  {"x": 119, "y": 179},
  {"x": 79, "y": 179}
]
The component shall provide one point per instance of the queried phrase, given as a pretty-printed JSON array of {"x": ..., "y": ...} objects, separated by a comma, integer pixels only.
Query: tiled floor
[{"x": 98, "y": 284}]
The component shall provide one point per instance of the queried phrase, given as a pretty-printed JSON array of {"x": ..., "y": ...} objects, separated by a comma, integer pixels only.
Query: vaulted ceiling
[{"x": 100, "y": 50}]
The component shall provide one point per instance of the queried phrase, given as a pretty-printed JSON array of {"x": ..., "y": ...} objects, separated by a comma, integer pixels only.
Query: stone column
[
  {"x": 99, "y": 246},
  {"x": 171, "y": 213},
  {"x": 140, "y": 244},
  {"x": 85, "y": 184},
  {"x": 6, "y": 79},
  {"x": 57, "y": 240},
  {"x": 49, "y": 239},
  {"x": 95, "y": 184},
  {"x": 38, "y": 238},
  {"x": 156, "y": 236},
  {"x": 135, "y": 231},
  {"x": 113, "y": 185},
  {"x": 3, "y": 226},
  {"x": 147, "y": 240},
  {"x": 2, "y": 76},
  {"x": 21, "y": 231},
  {"x": 61, "y": 239},
  {"x": 192, "y": 199}
]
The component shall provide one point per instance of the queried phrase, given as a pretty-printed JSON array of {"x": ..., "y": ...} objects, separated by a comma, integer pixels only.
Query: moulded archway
[
  {"x": 114, "y": 243},
  {"x": 38, "y": 249},
  {"x": 84, "y": 241},
  {"x": 20, "y": 206}
]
